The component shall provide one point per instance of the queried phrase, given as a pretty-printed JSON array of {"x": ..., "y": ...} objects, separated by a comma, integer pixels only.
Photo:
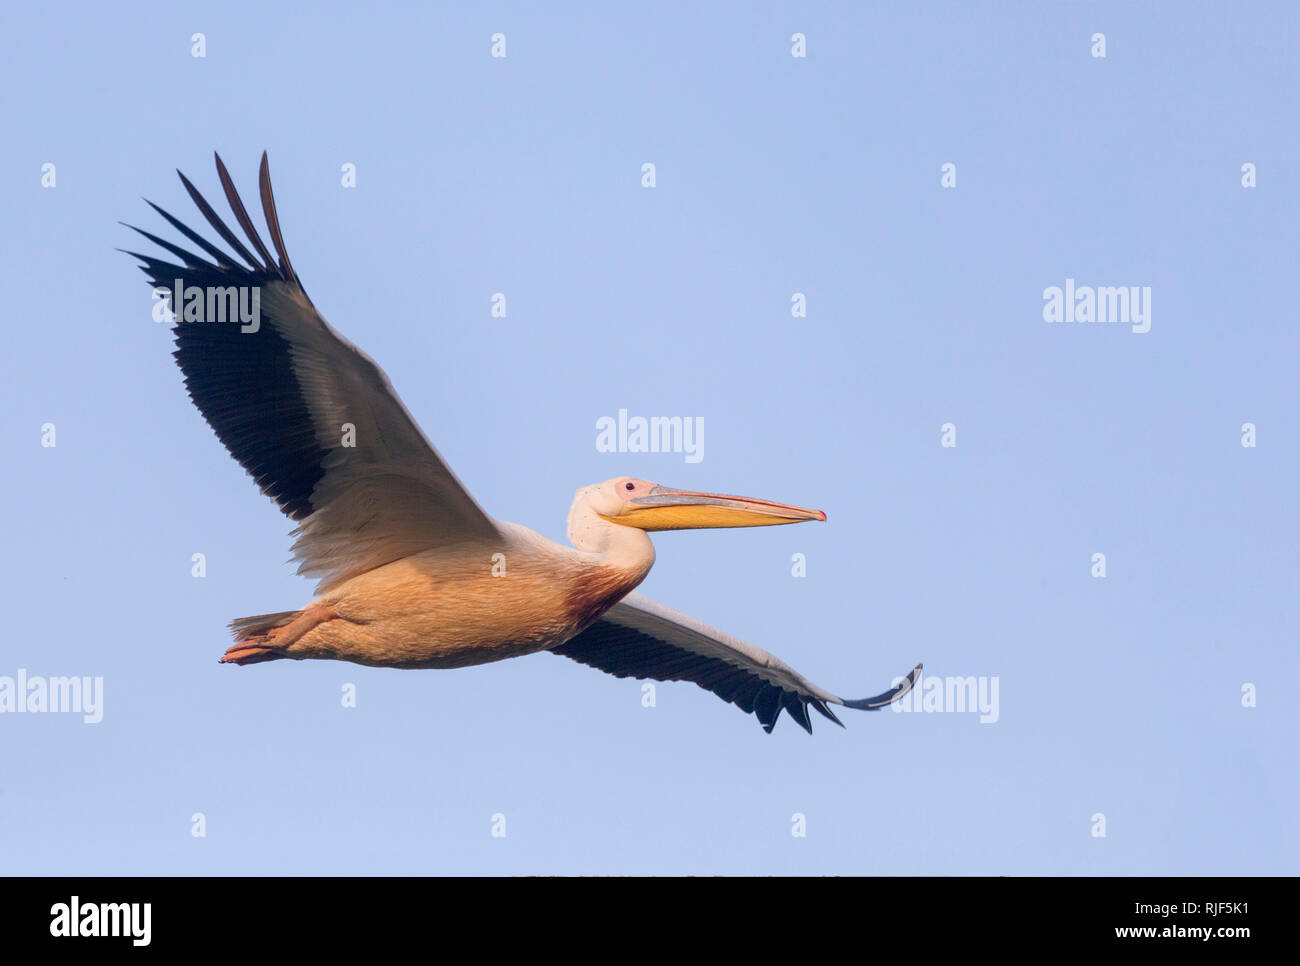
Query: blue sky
[{"x": 1119, "y": 696}]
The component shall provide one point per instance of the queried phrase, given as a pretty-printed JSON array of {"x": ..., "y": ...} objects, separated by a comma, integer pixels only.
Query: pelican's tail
[
  {"x": 267, "y": 637},
  {"x": 243, "y": 628}
]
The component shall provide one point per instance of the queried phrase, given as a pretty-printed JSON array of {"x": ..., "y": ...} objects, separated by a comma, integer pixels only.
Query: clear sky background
[{"x": 776, "y": 175}]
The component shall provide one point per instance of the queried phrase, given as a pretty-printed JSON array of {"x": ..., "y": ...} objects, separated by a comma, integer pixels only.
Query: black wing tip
[
  {"x": 886, "y": 698},
  {"x": 825, "y": 711},
  {"x": 267, "y": 266},
  {"x": 213, "y": 219},
  {"x": 272, "y": 219},
  {"x": 796, "y": 706}
]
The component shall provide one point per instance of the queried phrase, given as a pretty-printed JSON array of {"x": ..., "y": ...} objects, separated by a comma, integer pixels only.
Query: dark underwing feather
[
  {"x": 768, "y": 706},
  {"x": 241, "y": 215},
  {"x": 215, "y": 221},
  {"x": 797, "y": 707},
  {"x": 221, "y": 257},
  {"x": 272, "y": 219},
  {"x": 824, "y": 710},
  {"x": 886, "y": 698},
  {"x": 278, "y": 394},
  {"x": 222, "y": 368},
  {"x": 641, "y": 638},
  {"x": 227, "y": 370},
  {"x": 190, "y": 259},
  {"x": 628, "y": 653}
]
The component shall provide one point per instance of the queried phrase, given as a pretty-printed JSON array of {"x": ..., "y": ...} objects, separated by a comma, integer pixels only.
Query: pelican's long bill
[{"x": 667, "y": 509}]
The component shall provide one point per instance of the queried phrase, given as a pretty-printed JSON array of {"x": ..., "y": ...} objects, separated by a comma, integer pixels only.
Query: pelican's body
[
  {"x": 467, "y": 604},
  {"x": 413, "y": 573}
]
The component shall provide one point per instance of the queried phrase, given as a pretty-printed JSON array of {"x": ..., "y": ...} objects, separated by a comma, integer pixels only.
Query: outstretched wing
[
  {"x": 641, "y": 638},
  {"x": 309, "y": 415}
]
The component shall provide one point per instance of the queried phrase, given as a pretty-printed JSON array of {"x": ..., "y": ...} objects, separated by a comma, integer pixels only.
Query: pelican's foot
[{"x": 249, "y": 652}]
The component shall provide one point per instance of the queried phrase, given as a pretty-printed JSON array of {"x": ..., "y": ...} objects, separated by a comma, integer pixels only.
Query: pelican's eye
[{"x": 631, "y": 486}]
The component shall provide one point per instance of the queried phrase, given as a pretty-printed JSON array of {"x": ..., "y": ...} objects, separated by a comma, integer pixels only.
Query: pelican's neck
[{"x": 615, "y": 546}]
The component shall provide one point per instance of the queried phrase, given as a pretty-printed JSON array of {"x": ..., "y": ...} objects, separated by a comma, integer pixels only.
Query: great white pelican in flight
[{"x": 403, "y": 553}]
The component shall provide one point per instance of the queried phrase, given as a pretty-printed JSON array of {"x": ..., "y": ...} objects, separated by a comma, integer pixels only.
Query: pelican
[{"x": 412, "y": 572}]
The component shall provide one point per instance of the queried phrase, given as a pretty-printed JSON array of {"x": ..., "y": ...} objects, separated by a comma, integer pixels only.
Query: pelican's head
[{"x": 648, "y": 506}]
